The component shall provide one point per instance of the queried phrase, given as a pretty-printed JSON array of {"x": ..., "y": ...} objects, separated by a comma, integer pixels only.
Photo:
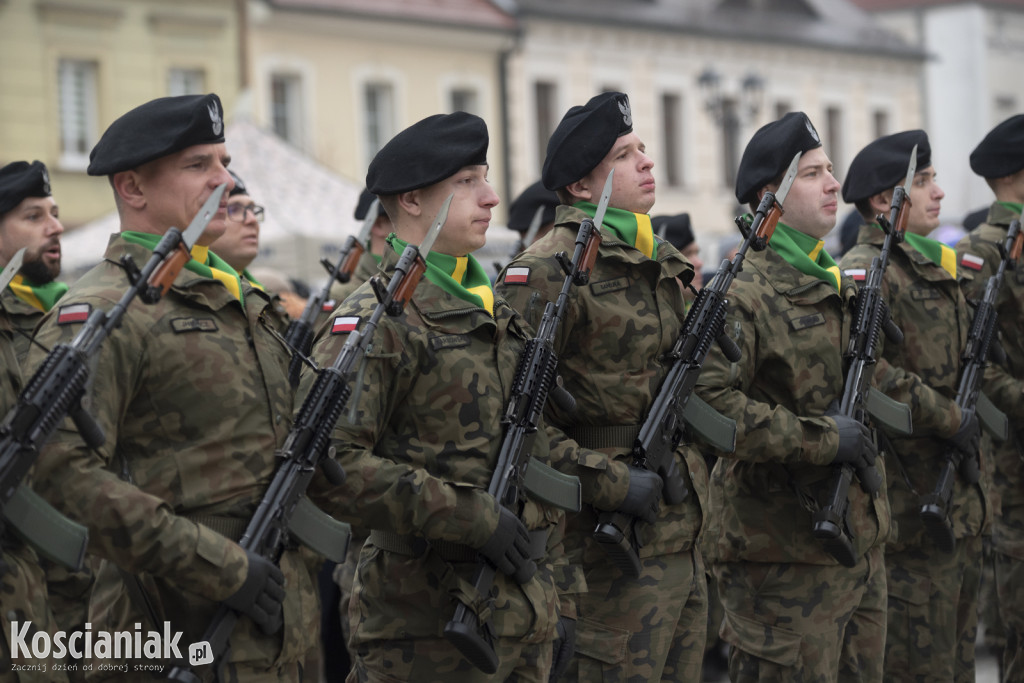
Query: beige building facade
[{"x": 68, "y": 68}]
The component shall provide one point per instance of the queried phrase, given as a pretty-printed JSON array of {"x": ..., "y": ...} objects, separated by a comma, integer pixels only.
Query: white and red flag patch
[
  {"x": 344, "y": 324},
  {"x": 517, "y": 276},
  {"x": 858, "y": 274},
  {"x": 328, "y": 305},
  {"x": 971, "y": 261},
  {"x": 73, "y": 313}
]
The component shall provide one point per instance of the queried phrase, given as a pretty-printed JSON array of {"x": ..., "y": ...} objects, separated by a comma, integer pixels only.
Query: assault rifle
[
  {"x": 935, "y": 506},
  {"x": 859, "y": 400},
  {"x": 535, "y": 380},
  {"x": 285, "y": 512},
  {"x": 299, "y": 335},
  {"x": 56, "y": 389},
  {"x": 675, "y": 407}
]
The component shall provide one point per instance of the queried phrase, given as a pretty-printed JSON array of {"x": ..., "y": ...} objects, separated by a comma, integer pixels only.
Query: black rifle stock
[
  {"x": 936, "y": 506},
  {"x": 871, "y": 317},
  {"x": 55, "y": 391},
  {"x": 307, "y": 447},
  {"x": 663, "y": 428},
  {"x": 535, "y": 380}
]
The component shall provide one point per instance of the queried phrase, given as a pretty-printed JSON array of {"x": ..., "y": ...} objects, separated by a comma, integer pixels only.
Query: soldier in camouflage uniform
[
  {"x": 611, "y": 349},
  {"x": 193, "y": 397},
  {"x": 792, "y": 613},
  {"x": 999, "y": 158},
  {"x": 933, "y": 595},
  {"x": 28, "y": 218},
  {"x": 423, "y": 441}
]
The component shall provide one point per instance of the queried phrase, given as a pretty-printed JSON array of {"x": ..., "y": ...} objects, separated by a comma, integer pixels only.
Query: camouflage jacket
[
  {"x": 1006, "y": 388},
  {"x": 792, "y": 330},
  {"x": 610, "y": 348},
  {"x": 923, "y": 372},
  {"x": 419, "y": 443},
  {"x": 23, "y": 596},
  {"x": 193, "y": 397},
  {"x": 23, "y": 319}
]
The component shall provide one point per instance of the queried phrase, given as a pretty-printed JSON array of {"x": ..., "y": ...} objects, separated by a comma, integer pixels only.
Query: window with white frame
[
  {"x": 182, "y": 81},
  {"x": 379, "y": 116},
  {"x": 465, "y": 99},
  {"x": 545, "y": 100},
  {"x": 286, "y": 107},
  {"x": 77, "y": 83},
  {"x": 672, "y": 155}
]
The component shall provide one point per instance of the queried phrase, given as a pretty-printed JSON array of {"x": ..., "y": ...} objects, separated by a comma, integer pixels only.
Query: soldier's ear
[
  {"x": 880, "y": 202},
  {"x": 129, "y": 190},
  {"x": 411, "y": 202},
  {"x": 580, "y": 190}
]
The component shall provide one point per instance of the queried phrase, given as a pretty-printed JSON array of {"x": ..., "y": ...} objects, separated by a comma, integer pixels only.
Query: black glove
[
  {"x": 643, "y": 498},
  {"x": 565, "y": 648},
  {"x": 508, "y": 548},
  {"x": 261, "y": 595},
  {"x": 856, "y": 447},
  {"x": 968, "y": 437}
]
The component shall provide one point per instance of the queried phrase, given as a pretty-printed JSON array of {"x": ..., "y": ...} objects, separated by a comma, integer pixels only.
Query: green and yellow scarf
[
  {"x": 805, "y": 253},
  {"x": 1013, "y": 207},
  {"x": 41, "y": 297},
  {"x": 460, "y": 276},
  {"x": 632, "y": 228},
  {"x": 935, "y": 251},
  {"x": 204, "y": 262}
]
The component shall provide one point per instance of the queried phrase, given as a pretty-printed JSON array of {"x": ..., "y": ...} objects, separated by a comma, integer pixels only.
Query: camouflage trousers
[
  {"x": 435, "y": 660},
  {"x": 1009, "y": 573},
  {"x": 804, "y": 623},
  {"x": 647, "y": 629},
  {"x": 933, "y": 613},
  {"x": 23, "y": 599}
]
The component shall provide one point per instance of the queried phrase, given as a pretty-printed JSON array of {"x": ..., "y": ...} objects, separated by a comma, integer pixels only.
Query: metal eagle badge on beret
[{"x": 215, "y": 118}]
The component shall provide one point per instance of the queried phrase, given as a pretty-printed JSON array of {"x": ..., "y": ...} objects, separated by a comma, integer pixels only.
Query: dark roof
[
  {"x": 827, "y": 24},
  {"x": 468, "y": 13}
]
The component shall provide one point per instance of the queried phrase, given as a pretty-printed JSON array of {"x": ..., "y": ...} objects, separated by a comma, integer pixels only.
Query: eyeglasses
[{"x": 236, "y": 212}]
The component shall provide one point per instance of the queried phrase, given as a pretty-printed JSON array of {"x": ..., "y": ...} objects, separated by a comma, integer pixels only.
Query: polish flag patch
[
  {"x": 344, "y": 324},
  {"x": 971, "y": 261},
  {"x": 517, "y": 276},
  {"x": 858, "y": 274},
  {"x": 328, "y": 306},
  {"x": 73, "y": 313}
]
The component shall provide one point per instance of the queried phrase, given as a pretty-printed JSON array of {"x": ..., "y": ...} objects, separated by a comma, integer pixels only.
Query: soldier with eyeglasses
[{"x": 240, "y": 243}]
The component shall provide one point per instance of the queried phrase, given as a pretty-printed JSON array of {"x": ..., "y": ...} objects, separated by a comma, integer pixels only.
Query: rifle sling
[
  {"x": 596, "y": 437},
  {"x": 550, "y": 486},
  {"x": 416, "y": 546},
  {"x": 53, "y": 535}
]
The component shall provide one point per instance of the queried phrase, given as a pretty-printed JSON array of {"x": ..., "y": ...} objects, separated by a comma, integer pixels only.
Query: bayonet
[{"x": 11, "y": 269}]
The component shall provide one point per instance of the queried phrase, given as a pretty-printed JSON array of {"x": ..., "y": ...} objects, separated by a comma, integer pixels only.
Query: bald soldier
[{"x": 193, "y": 397}]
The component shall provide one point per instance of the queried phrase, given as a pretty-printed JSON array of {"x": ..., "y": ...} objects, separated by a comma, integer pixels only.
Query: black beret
[
  {"x": 678, "y": 230},
  {"x": 365, "y": 199},
  {"x": 522, "y": 210},
  {"x": 157, "y": 129},
  {"x": 770, "y": 150},
  {"x": 427, "y": 152},
  {"x": 583, "y": 138},
  {"x": 1001, "y": 152},
  {"x": 882, "y": 164},
  {"x": 20, "y": 179},
  {"x": 239, "y": 187}
]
